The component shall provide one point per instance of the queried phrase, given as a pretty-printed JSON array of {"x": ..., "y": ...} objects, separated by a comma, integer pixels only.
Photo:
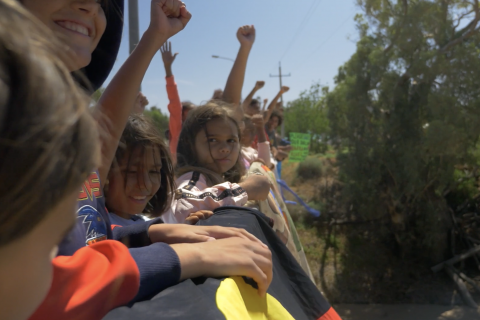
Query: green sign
[{"x": 300, "y": 146}]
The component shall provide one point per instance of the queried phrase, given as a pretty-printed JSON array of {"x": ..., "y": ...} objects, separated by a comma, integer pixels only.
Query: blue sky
[{"x": 312, "y": 37}]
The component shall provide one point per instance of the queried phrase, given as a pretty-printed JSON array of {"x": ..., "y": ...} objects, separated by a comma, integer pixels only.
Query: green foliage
[
  {"x": 312, "y": 168},
  {"x": 307, "y": 114},
  {"x": 159, "y": 119},
  {"x": 407, "y": 108}
]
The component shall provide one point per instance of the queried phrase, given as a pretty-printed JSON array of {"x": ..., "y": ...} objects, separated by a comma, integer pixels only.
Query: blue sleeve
[
  {"x": 159, "y": 268},
  {"x": 136, "y": 235}
]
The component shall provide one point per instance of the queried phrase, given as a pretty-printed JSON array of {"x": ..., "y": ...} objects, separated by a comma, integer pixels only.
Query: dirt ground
[{"x": 402, "y": 312}]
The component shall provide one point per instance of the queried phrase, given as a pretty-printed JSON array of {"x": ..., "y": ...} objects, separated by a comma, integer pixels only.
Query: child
[
  {"x": 254, "y": 126},
  {"x": 141, "y": 179},
  {"x": 161, "y": 257},
  {"x": 48, "y": 146},
  {"x": 210, "y": 166}
]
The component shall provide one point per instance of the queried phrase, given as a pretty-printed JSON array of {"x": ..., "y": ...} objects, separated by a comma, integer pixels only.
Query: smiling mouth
[
  {"x": 140, "y": 198},
  {"x": 75, "y": 27}
]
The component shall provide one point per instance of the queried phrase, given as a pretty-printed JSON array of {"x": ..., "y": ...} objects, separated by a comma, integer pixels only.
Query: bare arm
[
  {"x": 265, "y": 101},
  {"x": 119, "y": 97},
  {"x": 168, "y": 58},
  {"x": 259, "y": 85},
  {"x": 273, "y": 104},
  {"x": 233, "y": 89}
]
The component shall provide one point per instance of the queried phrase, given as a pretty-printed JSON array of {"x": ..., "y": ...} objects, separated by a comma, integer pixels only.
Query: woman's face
[
  {"x": 143, "y": 180},
  {"x": 220, "y": 149},
  {"x": 79, "y": 23}
]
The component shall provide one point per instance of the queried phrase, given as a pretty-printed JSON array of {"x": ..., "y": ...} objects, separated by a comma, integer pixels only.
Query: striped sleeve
[{"x": 194, "y": 195}]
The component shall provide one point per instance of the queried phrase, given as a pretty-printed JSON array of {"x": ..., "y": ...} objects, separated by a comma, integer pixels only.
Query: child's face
[
  {"x": 26, "y": 263},
  {"x": 253, "y": 109},
  {"x": 81, "y": 24},
  {"x": 220, "y": 150},
  {"x": 143, "y": 176},
  {"x": 273, "y": 123}
]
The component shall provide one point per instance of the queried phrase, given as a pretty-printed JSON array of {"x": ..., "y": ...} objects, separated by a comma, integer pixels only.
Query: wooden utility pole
[{"x": 280, "y": 76}]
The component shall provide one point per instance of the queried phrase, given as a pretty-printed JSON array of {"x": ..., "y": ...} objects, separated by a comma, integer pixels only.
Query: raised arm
[
  {"x": 233, "y": 89},
  {"x": 265, "y": 101},
  {"x": 259, "y": 85},
  {"x": 118, "y": 99},
  {"x": 174, "y": 104},
  {"x": 168, "y": 58},
  {"x": 274, "y": 102}
]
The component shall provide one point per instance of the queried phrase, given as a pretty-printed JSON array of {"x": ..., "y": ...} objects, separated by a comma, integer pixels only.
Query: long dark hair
[
  {"x": 141, "y": 133},
  {"x": 187, "y": 158}
]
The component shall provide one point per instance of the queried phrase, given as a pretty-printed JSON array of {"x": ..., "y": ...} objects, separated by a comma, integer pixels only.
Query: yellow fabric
[{"x": 238, "y": 300}]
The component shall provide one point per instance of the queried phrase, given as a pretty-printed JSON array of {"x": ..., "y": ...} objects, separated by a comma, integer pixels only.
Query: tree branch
[
  {"x": 394, "y": 40},
  {"x": 467, "y": 32}
]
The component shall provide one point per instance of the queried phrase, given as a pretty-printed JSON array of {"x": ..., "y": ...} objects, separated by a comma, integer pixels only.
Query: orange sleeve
[
  {"x": 87, "y": 285},
  {"x": 175, "y": 109}
]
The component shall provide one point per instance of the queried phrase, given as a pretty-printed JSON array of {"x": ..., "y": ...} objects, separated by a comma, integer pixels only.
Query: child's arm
[
  {"x": 118, "y": 99},
  {"x": 265, "y": 101},
  {"x": 87, "y": 285},
  {"x": 263, "y": 144},
  {"x": 274, "y": 102},
  {"x": 174, "y": 105},
  {"x": 233, "y": 89},
  {"x": 259, "y": 85}
]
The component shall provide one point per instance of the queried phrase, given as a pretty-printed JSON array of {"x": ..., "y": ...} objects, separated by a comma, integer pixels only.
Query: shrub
[{"x": 312, "y": 168}]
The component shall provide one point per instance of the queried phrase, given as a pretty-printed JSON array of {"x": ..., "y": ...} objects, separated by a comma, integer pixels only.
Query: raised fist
[
  {"x": 259, "y": 85},
  {"x": 246, "y": 35}
]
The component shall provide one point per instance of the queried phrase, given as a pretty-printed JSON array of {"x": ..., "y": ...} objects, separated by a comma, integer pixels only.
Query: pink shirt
[
  {"x": 193, "y": 194},
  {"x": 251, "y": 155}
]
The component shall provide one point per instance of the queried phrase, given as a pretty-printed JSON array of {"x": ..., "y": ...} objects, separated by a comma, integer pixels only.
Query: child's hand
[
  {"x": 246, "y": 35},
  {"x": 284, "y": 89},
  {"x": 197, "y": 216},
  {"x": 168, "y": 17},
  {"x": 227, "y": 257},
  {"x": 257, "y": 187},
  {"x": 259, "y": 85},
  {"x": 167, "y": 56},
  {"x": 140, "y": 103},
  {"x": 183, "y": 233},
  {"x": 257, "y": 121}
]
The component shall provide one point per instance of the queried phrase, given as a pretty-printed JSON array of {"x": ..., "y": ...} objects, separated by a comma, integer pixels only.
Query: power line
[
  {"x": 310, "y": 11},
  {"x": 324, "y": 42}
]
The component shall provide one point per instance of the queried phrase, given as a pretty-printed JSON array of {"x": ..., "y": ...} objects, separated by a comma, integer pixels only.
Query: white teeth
[
  {"x": 74, "y": 27},
  {"x": 139, "y": 198}
]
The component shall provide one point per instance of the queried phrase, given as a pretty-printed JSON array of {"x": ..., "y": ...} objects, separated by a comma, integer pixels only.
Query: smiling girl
[{"x": 210, "y": 166}]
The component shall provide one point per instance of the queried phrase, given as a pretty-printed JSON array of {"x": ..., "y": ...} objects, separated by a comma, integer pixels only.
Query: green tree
[
  {"x": 307, "y": 114},
  {"x": 160, "y": 119},
  {"x": 406, "y": 108}
]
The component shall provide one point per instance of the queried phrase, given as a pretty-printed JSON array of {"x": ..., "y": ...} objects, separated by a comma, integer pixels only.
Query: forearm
[
  {"x": 271, "y": 107},
  {"x": 119, "y": 97},
  {"x": 249, "y": 98},
  {"x": 191, "y": 262},
  {"x": 262, "y": 137},
  {"x": 233, "y": 88}
]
